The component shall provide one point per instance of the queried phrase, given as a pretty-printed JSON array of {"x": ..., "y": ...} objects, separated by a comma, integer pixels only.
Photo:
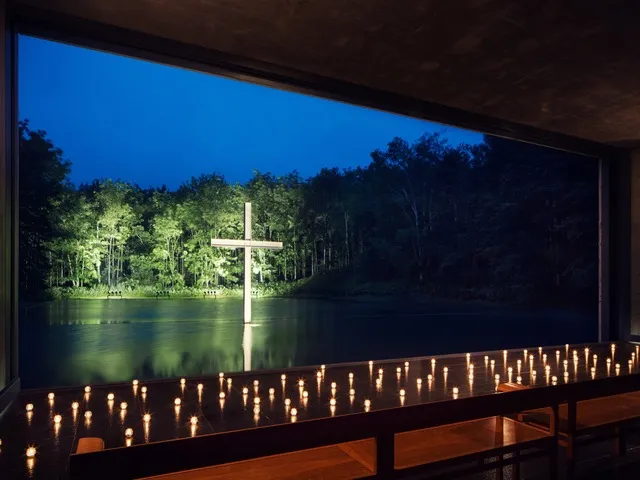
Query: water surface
[{"x": 75, "y": 342}]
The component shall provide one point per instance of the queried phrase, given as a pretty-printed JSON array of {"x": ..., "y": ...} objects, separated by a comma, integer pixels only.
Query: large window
[{"x": 400, "y": 237}]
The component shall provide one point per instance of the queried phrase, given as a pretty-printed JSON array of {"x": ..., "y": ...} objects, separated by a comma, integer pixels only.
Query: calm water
[{"x": 74, "y": 342}]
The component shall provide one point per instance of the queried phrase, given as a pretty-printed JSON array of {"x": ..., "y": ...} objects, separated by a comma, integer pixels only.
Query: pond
[{"x": 75, "y": 342}]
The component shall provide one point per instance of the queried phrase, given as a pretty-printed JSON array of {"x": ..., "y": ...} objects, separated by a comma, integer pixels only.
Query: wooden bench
[
  {"x": 210, "y": 293},
  {"x": 588, "y": 421},
  {"x": 460, "y": 448},
  {"x": 114, "y": 293}
]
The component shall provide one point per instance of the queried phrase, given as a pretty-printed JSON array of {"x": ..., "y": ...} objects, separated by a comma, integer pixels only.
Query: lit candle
[
  {"x": 593, "y": 369},
  {"x": 378, "y": 382},
  {"x": 284, "y": 377},
  {"x": 221, "y": 374},
  {"x": 287, "y": 402},
  {"x": 608, "y": 361},
  {"x": 445, "y": 369},
  {"x": 367, "y": 403},
  {"x": 123, "y": 406},
  {"x": 398, "y": 370},
  {"x": 380, "y": 371},
  {"x": 531, "y": 358},
  {"x": 419, "y": 381},
  {"x": 493, "y": 362},
  {"x": 194, "y": 420},
  {"x": 519, "y": 362},
  {"x": 617, "y": 365},
  {"x": 350, "y": 375},
  {"x": 87, "y": 389},
  {"x": 143, "y": 389},
  {"x": 510, "y": 370},
  {"x": 135, "y": 383},
  {"x": 352, "y": 392},
  {"x": 301, "y": 383},
  {"x": 221, "y": 395},
  {"x": 468, "y": 356},
  {"x": 406, "y": 364},
  {"x": 256, "y": 383},
  {"x": 294, "y": 411},
  {"x": 471, "y": 367},
  {"x": 429, "y": 377},
  {"x": 305, "y": 394},
  {"x": 111, "y": 396},
  {"x": 557, "y": 353},
  {"x": 332, "y": 402},
  {"x": 486, "y": 358},
  {"x": 128, "y": 432},
  {"x": 57, "y": 419},
  {"x": 554, "y": 379},
  {"x": 272, "y": 391},
  {"x": 51, "y": 396},
  {"x": 87, "y": 414},
  {"x": 497, "y": 377},
  {"x": 229, "y": 381},
  {"x": 402, "y": 392},
  {"x": 319, "y": 374},
  {"x": 433, "y": 361},
  {"x": 31, "y": 452},
  {"x": 525, "y": 352},
  {"x": 75, "y": 405},
  {"x": 504, "y": 352},
  {"x": 146, "y": 417},
  {"x": 519, "y": 379},
  {"x": 256, "y": 401},
  {"x": 371, "y": 363},
  {"x": 334, "y": 385},
  {"x": 595, "y": 357},
  {"x": 200, "y": 386},
  {"x": 29, "y": 407},
  {"x": 455, "y": 390},
  {"x": 177, "y": 402},
  {"x": 533, "y": 373},
  {"x": 322, "y": 367},
  {"x": 566, "y": 374},
  {"x": 245, "y": 391},
  {"x": 183, "y": 381}
]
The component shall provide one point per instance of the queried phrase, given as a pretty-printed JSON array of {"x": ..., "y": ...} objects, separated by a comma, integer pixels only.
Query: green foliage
[{"x": 502, "y": 221}]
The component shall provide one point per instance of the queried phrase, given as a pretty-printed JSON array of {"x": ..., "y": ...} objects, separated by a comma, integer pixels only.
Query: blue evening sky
[{"x": 122, "y": 118}]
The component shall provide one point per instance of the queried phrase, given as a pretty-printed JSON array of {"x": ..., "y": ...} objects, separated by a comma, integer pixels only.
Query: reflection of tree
[{"x": 109, "y": 347}]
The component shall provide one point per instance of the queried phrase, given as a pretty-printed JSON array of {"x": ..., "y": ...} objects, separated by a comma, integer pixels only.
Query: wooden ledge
[
  {"x": 510, "y": 387},
  {"x": 90, "y": 444}
]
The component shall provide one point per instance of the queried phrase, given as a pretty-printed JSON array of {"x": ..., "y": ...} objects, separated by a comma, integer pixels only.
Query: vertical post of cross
[{"x": 248, "y": 270}]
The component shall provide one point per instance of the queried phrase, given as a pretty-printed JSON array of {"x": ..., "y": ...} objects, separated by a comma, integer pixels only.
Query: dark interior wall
[
  {"x": 8, "y": 325},
  {"x": 5, "y": 224},
  {"x": 635, "y": 242}
]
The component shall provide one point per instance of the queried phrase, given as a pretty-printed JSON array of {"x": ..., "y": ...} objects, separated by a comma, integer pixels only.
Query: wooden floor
[{"x": 357, "y": 459}]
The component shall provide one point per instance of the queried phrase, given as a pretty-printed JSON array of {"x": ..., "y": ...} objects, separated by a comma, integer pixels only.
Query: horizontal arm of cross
[{"x": 220, "y": 242}]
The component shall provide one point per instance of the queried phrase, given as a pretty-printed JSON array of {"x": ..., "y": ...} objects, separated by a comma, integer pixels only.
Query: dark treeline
[{"x": 501, "y": 220}]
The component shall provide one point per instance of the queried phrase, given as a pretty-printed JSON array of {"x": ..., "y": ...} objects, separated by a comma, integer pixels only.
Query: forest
[{"x": 500, "y": 221}]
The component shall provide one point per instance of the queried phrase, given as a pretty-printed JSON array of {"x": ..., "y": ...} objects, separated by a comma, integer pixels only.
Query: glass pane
[{"x": 399, "y": 237}]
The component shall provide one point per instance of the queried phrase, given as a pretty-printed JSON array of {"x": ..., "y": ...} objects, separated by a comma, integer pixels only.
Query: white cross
[{"x": 247, "y": 244}]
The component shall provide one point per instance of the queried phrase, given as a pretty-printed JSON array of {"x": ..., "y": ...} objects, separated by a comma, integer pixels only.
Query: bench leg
[
  {"x": 620, "y": 442},
  {"x": 516, "y": 465}
]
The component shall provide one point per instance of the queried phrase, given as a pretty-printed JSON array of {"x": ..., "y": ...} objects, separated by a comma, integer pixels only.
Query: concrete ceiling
[{"x": 571, "y": 67}]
